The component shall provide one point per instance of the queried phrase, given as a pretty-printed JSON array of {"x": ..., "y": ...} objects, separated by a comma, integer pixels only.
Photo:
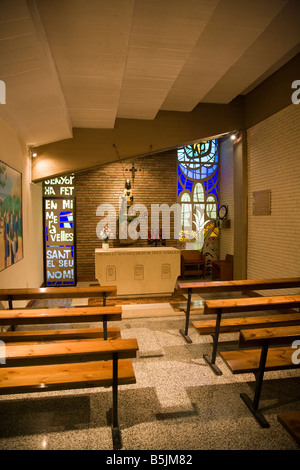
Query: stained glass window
[{"x": 198, "y": 194}]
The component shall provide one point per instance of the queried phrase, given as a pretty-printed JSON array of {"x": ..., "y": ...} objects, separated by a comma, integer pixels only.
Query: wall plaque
[{"x": 261, "y": 202}]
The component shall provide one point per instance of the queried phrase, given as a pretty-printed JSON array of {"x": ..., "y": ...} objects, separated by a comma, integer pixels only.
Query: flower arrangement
[
  {"x": 105, "y": 234},
  {"x": 187, "y": 236}
]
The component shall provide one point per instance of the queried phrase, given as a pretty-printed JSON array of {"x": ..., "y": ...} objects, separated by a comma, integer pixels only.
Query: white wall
[
  {"x": 27, "y": 272},
  {"x": 274, "y": 163}
]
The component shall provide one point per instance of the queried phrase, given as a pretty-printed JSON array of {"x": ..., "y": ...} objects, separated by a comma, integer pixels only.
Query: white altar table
[{"x": 138, "y": 270}]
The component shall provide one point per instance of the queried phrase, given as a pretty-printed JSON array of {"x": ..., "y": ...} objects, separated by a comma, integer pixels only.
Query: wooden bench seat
[
  {"x": 213, "y": 287},
  {"x": 67, "y": 334},
  {"x": 40, "y": 316},
  {"x": 291, "y": 422},
  {"x": 247, "y": 360},
  {"x": 265, "y": 358},
  {"x": 67, "y": 351},
  {"x": 249, "y": 304},
  {"x": 230, "y": 325},
  {"x": 64, "y": 376}
]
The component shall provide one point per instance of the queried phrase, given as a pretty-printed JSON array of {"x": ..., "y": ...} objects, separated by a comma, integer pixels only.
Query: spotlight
[{"x": 32, "y": 153}]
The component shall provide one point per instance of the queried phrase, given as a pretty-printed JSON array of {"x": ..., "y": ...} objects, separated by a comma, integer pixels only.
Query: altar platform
[{"x": 138, "y": 270}]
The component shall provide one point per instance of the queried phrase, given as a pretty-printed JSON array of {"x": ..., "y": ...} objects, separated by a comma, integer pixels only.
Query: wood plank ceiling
[{"x": 85, "y": 63}]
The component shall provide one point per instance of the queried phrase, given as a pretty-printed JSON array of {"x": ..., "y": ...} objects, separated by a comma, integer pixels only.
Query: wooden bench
[
  {"x": 60, "y": 315},
  {"x": 70, "y": 364},
  {"x": 291, "y": 422},
  {"x": 56, "y": 293},
  {"x": 213, "y": 287},
  {"x": 249, "y": 304},
  {"x": 265, "y": 358}
]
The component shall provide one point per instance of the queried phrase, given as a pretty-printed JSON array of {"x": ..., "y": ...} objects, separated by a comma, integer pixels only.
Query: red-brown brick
[{"x": 155, "y": 182}]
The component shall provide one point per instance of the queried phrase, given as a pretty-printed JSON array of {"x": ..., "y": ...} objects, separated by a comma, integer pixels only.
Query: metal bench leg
[
  {"x": 116, "y": 434},
  {"x": 253, "y": 405},
  {"x": 10, "y": 306},
  {"x": 105, "y": 329},
  {"x": 187, "y": 318},
  {"x": 212, "y": 362}
]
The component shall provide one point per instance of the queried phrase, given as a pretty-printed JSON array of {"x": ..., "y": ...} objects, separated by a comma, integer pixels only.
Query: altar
[{"x": 138, "y": 270}]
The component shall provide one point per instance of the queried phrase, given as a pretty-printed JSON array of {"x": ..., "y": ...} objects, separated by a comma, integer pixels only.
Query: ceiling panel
[
  {"x": 89, "y": 41},
  {"x": 266, "y": 52},
  {"x": 84, "y": 63},
  {"x": 232, "y": 29},
  {"x": 162, "y": 36}
]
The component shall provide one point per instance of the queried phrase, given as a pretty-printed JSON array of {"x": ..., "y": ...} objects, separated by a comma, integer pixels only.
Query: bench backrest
[
  {"x": 252, "y": 304},
  {"x": 239, "y": 285},
  {"x": 33, "y": 316},
  {"x": 56, "y": 292},
  {"x": 192, "y": 255}
]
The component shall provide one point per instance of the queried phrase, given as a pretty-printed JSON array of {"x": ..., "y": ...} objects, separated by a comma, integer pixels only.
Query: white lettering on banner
[{"x": 61, "y": 274}]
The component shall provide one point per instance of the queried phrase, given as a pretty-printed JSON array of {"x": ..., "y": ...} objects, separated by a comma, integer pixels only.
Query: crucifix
[{"x": 133, "y": 170}]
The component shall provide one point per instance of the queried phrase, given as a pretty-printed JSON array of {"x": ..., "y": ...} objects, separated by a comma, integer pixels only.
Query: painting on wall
[{"x": 11, "y": 233}]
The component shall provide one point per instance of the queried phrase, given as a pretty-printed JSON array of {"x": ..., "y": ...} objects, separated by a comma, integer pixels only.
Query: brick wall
[
  {"x": 274, "y": 164},
  {"x": 154, "y": 183}
]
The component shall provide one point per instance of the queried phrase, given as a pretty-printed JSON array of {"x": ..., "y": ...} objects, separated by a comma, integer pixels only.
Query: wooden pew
[
  {"x": 213, "y": 287},
  {"x": 56, "y": 293},
  {"x": 68, "y": 365},
  {"x": 291, "y": 422},
  {"x": 249, "y": 304},
  {"x": 52, "y": 316},
  {"x": 265, "y": 358}
]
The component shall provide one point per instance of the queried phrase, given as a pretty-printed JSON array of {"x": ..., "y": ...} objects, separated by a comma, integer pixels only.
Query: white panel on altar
[{"x": 138, "y": 270}]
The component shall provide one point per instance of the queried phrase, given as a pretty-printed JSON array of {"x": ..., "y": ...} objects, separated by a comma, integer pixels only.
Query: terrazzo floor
[{"x": 177, "y": 403}]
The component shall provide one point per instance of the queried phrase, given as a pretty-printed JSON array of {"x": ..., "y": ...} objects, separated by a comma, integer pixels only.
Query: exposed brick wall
[
  {"x": 154, "y": 183},
  {"x": 274, "y": 163}
]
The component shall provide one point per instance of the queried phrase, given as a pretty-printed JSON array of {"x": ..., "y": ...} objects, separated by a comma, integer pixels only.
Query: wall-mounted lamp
[
  {"x": 32, "y": 153},
  {"x": 236, "y": 136}
]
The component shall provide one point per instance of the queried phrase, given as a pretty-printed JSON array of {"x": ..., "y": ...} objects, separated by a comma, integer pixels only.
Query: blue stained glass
[
  {"x": 189, "y": 185},
  {"x": 199, "y": 163}
]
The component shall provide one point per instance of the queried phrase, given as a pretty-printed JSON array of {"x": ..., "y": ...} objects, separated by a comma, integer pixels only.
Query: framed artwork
[{"x": 11, "y": 231}]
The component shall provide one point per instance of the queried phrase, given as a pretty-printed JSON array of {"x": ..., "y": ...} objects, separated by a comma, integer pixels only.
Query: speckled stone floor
[{"x": 177, "y": 403}]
